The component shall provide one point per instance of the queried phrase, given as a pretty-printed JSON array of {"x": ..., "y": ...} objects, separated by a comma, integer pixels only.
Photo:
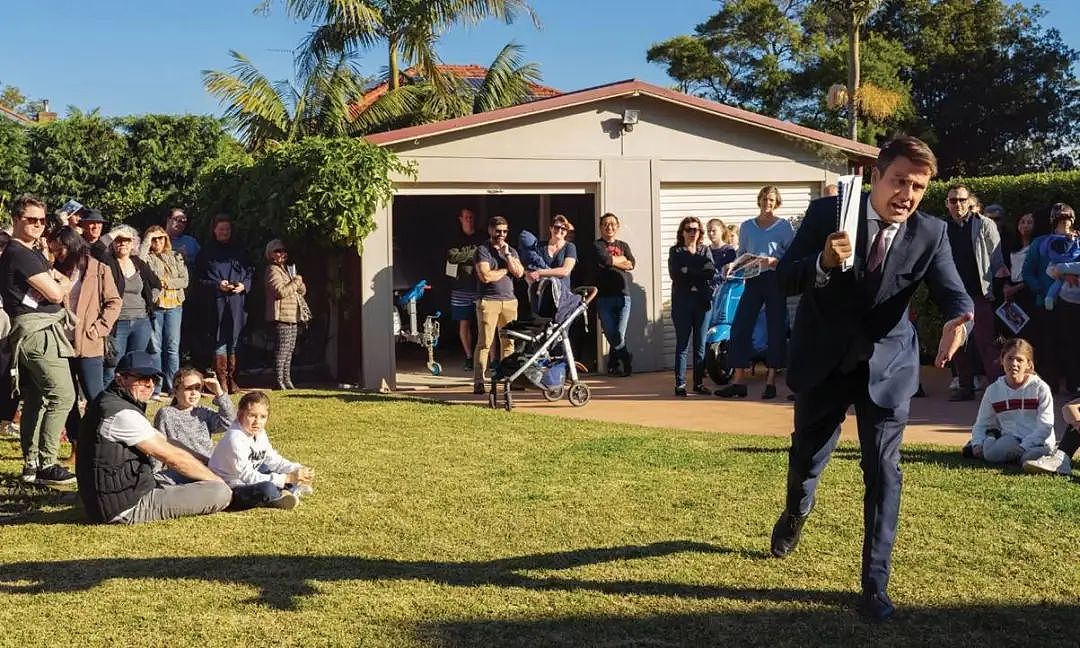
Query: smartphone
[{"x": 211, "y": 374}]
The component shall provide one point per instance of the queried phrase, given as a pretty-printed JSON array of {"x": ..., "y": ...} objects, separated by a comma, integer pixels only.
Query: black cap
[
  {"x": 92, "y": 216},
  {"x": 139, "y": 363}
]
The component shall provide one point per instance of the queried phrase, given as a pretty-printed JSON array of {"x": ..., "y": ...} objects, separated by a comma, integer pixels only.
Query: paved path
[{"x": 647, "y": 399}]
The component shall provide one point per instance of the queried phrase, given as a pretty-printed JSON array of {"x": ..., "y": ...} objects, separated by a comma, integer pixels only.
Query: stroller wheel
[
  {"x": 509, "y": 404},
  {"x": 552, "y": 394},
  {"x": 579, "y": 394},
  {"x": 435, "y": 368},
  {"x": 493, "y": 397}
]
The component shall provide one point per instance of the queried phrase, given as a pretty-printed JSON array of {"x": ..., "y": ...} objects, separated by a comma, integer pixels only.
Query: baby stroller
[
  {"x": 428, "y": 336},
  {"x": 718, "y": 337},
  {"x": 544, "y": 357}
]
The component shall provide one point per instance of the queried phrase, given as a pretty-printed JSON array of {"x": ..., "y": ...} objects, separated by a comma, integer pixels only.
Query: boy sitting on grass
[{"x": 258, "y": 475}]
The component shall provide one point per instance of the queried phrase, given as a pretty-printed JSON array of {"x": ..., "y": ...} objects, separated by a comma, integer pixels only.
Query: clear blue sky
[{"x": 143, "y": 56}]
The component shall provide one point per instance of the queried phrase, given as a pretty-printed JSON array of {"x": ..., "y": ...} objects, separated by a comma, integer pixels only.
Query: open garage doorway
[{"x": 426, "y": 226}]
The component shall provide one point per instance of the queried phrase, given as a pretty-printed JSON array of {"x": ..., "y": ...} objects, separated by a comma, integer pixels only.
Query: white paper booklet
[{"x": 847, "y": 216}]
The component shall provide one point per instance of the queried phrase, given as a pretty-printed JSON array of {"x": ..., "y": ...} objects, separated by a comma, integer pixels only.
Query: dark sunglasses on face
[
  {"x": 691, "y": 230},
  {"x": 192, "y": 387},
  {"x": 501, "y": 232},
  {"x": 32, "y": 220},
  {"x": 560, "y": 227}
]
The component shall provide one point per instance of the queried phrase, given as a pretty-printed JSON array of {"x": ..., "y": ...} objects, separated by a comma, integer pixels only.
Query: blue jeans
[
  {"x": 87, "y": 374},
  {"x": 763, "y": 289},
  {"x": 249, "y": 496},
  {"x": 167, "y": 329},
  {"x": 130, "y": 335},
  {"x": 690, "y": 315},
  {"x": 614, "y": 312}
]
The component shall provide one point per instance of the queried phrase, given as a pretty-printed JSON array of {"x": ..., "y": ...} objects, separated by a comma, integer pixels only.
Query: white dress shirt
[{"x": 889, "y": 230}]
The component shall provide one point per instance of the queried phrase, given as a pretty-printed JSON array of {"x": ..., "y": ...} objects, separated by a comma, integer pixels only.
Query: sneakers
[
  {"x": 29, "y": 474},
  {"x": 287, "y": 502},
  {"x": 478, "y": 388},
  {"x": 54, "y": 475},
  {"x": 786, "y": 533},
  {"x": 468, "y": 364},
  {"x": 955, "y": 384},
  {"x": 1055, "y": 463}
]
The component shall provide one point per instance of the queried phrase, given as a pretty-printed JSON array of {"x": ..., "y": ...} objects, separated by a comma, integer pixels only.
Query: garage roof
[{"x": 630, "y": 87}]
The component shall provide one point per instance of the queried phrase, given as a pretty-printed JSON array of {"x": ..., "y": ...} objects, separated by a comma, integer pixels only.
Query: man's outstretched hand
[{"x": 953, "y": 336}]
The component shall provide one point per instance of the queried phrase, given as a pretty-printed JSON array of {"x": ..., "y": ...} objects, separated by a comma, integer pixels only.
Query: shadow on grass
[
  {"x": 21, "y": 504},
  {"x": 985, "y": 625},
  {"x": 281, "y": 580},
  {"x": 370, "y": 397},
  {"x": 941, "y": 458}
]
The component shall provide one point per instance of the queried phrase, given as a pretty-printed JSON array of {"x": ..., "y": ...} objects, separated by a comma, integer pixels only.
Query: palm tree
[
  {"x": 856, "y": 12},
  {"x": 265, "y": 112},
  {"x": 408, "y": 28}
]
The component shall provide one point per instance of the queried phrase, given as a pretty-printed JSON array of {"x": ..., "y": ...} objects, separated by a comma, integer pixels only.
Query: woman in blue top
[
  {"x": 692, "y": 271},
  {"x": 560, "y": 254},
  {"x": 769, "y": 237}
]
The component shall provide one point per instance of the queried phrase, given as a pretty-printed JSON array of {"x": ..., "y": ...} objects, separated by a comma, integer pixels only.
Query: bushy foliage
[
  {"x": 324, "y": 191},
  {"x": 14, "y": 161}
]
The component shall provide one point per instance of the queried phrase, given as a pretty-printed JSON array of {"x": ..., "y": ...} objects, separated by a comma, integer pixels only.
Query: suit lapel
[{"x": 860, "y": 241}]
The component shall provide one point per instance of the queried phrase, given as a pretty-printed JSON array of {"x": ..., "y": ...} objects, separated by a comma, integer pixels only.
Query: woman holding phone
[{"x": 284, "y": 291}]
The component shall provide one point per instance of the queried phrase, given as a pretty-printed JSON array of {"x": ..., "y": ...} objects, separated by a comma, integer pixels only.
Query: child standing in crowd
[
  {"x": 189, "y": 425},
  {"x": 1016, "y": 417},
  {"x": 258, "y": 475}
]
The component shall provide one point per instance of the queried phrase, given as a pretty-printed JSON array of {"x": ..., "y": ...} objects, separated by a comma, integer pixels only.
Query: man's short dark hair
[
  {"x": 495, "y": 221},
  {"x": 957, "y": 187},
  {"x": 908, "y": 147},
  {"x": 24, "y": 202},
  {"x": 609, "y": 215}
]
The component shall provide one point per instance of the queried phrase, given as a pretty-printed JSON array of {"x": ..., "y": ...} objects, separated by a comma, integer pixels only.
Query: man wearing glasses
[
  {"x": 117, "y": 449},
  {"x": 497, "y": 264},
  {"x": 183, "y": 243},
  {"x": 976, "y": 248},
  {"x": 33, "y": 295}
]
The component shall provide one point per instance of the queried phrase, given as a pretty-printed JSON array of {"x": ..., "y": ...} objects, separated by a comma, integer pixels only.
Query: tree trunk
[
  {"x": 853, "y": 79},
  {"x": 395, "y": 81}
]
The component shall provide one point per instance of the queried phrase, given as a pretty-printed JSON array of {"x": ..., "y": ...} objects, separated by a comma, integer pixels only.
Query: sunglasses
[
  {"x": 691, "y": 230},
  {"x": 560, "y": 227},
  {"x": 33, "y": 220},
  {"x": 157, "y": 238},
  {"x": 957, "y": 201},
  {"x": 192, "y": 387},
  {"x": 501, "y": 232}
]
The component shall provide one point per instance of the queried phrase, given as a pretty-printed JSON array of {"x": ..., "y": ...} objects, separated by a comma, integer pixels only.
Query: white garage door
[{"x": 732, "y": 203}]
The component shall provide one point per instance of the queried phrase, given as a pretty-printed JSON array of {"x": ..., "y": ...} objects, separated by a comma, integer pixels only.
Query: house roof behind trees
[
  {"x": 470, "y": 74},
  {"x": 630, "y": 87},
  {"x": 15, "y": 117}
]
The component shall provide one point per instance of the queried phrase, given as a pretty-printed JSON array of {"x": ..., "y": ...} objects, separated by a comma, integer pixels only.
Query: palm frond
[
  {"x": 395, "y": 109},
  {"x": 475, "y": 11},
  {"x": 327, "y": 42},
  {"x": 354, "y": 12},
  {"x": 507, "y": 82},
  {"x": 253, "y": 104}
]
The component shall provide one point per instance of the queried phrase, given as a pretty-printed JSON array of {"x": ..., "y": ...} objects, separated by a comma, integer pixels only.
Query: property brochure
[
  {"x": 847, "y": 212},
  {"x": 1013, "y": 316}
]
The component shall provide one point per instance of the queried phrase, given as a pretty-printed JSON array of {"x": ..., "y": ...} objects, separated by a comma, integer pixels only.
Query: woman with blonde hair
[
  {"x": 171, "y": 270},
  {"x": 138, "y": 286},
  {"x": 285, "y": 290}
]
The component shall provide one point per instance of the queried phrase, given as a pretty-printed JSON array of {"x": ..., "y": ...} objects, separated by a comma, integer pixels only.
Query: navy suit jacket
[{"x": 850, "y": 310}]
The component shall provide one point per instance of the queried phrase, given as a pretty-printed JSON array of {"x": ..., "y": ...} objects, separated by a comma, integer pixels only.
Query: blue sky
[{"x": 140, "y": 56}]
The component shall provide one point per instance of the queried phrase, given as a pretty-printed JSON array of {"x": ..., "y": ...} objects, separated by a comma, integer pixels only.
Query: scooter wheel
[
  {"x": 435, "y": 368},
  {"x": 552, "y": 394},
  {"x": 579, "y": 394}
]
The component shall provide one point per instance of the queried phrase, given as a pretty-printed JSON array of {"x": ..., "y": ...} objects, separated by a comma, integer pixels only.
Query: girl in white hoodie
[
  {"x": 1016, "y": 417},
  {"x": 244, "y": 458}
]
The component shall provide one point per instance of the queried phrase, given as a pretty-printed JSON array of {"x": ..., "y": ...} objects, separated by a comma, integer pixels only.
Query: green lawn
[{"x": 442, "y": 525}]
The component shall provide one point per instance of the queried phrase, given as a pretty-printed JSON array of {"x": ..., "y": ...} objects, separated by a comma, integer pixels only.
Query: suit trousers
[
  {"x": 982, "y": 336},
  {"x": 819, "y": 411}
]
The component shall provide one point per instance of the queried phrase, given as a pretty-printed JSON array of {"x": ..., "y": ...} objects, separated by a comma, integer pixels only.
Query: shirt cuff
[{"x": 822, "y": 277}]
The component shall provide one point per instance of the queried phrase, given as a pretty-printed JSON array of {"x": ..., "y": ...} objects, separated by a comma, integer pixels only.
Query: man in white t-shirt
[{"x": 117, "y": 446}]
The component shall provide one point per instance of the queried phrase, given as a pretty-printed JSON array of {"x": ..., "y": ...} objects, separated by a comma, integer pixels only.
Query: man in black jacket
[{"x": 117, "y": 446}]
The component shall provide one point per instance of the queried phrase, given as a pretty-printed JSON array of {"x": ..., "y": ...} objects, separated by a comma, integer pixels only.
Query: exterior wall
[{"x": 587, "y": 146}]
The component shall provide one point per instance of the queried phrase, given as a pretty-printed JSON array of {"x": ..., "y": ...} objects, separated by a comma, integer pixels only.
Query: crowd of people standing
[{"x": 77, "y": 299}]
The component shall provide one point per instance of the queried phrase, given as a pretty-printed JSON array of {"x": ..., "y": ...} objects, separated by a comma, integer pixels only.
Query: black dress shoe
[
  {"x": 876, "y": 606},
  {"x": 732, "y": 391},
  {"x": 701, "y": 389},
  {"x": 769, "y": 393},
  {"x": 680, "y": 391},
  {"x": 786, "y": 533}
]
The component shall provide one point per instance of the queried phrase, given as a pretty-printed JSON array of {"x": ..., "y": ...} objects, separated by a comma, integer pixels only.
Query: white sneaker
[
  {"x": 1055, "y": 463},
  {"x": 955, "y": 384},
  {"x": 286, "y": 502}
]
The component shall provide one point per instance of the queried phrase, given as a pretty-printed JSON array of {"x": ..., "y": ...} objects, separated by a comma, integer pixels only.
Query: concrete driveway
[{"x": 648, "y": 399}]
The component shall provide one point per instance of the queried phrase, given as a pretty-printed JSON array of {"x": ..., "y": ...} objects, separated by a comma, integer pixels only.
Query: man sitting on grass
[{"x": 117, "y": 446}]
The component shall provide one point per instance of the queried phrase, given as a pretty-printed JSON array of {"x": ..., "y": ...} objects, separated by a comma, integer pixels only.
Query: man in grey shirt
[{"x": 497, "y": 264}]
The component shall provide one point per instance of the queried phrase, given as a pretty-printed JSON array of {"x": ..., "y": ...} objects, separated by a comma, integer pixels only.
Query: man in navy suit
[{"x": 853, "y": 344}]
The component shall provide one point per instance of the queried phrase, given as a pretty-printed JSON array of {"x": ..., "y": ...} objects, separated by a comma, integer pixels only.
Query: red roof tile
[{"x": 631, "y": 87}]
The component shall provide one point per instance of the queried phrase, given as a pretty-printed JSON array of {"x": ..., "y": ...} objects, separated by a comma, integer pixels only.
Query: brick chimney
[{"x": 44, "y": 117}]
